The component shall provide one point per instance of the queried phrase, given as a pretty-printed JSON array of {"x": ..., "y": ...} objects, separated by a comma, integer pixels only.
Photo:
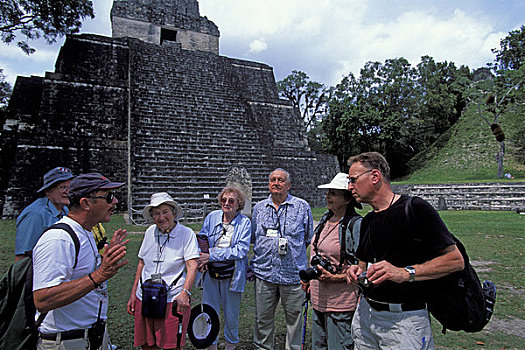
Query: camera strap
[{"x": 348, "y": 221}]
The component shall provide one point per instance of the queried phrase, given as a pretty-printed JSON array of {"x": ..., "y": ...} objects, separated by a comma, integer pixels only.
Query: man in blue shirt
[
  {"x": 282, "y": 228},
  {"x": 44, "y": 211}
]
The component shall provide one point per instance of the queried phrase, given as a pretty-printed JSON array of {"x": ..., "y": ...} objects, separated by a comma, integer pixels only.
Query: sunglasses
[
  {"x": 227, "y": 200},
  {"x": 109, "y": 197}
]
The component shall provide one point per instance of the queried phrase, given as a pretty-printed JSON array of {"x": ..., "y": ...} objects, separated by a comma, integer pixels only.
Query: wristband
[
  {"x": 92, "y": 280},
  {"x": 187, "y": 291}
]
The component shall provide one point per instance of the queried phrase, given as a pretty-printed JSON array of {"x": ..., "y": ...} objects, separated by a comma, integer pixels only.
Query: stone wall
[
  {"x": 470, "y": 196},
  {"x": 145, "y": 20},
  {"x": 160, "y": 118}
]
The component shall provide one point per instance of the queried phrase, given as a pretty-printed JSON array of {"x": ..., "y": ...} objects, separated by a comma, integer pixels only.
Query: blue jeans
[{"x": 216, "y": 293}]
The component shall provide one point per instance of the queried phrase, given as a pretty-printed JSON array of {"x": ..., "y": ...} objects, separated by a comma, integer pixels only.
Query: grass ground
[{"x": 495, "y": 242}]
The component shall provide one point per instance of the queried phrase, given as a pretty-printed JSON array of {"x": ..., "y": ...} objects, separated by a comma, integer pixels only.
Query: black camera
[
  {"x": 313, "y": 271},
  {"x": 362, "y": 280}
]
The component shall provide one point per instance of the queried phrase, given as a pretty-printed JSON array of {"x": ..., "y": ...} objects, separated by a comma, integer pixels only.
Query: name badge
[{"x": 271, "y": 232}]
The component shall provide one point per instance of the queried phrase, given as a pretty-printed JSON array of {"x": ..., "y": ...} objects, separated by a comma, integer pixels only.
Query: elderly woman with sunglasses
[
  {"x": 228, "y": 233},
  {"x": 169, "y": 251},
  {"x": 335, "y": 239}
]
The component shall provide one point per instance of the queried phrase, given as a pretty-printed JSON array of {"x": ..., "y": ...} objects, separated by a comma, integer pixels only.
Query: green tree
[
  {"x": 5, "y": 90},
  {"x": 395, "y": 109},
  {"x": 309, "y": 97},
  {"x": 504, "y": 91},
  {"x": 372, "y": 113},
  {"x": 32, "y": 19}
]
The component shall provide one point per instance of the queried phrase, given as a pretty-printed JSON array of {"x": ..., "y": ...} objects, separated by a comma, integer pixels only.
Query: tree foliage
[
  {"x": 309, "y": 97},
  {"x": 32, "y": 19},
  {"x": 502, "y": 91},
  {"x": 394, "y": 108},
  {"x": 5, "y": 90}
]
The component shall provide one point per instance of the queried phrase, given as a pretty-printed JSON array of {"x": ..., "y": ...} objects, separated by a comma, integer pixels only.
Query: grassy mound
[{"x": 466, "y": 152}]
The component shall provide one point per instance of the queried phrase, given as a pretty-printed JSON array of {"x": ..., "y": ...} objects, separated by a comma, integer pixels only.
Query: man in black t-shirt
[{"x": 392, "y": 312}]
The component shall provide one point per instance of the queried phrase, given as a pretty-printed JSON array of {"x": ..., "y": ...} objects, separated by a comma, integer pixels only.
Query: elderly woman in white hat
[
  {"x": 168, "y": 249},
  {"x": 335, "y": 240}
]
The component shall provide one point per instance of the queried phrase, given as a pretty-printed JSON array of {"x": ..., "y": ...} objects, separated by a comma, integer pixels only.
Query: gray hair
[{"x": 288, "y": 177}]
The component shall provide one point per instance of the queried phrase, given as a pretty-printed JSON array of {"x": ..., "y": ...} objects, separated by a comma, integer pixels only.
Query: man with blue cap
[
  {"x": 44, "y": 211},
  {"x": 70, "y": 279}
]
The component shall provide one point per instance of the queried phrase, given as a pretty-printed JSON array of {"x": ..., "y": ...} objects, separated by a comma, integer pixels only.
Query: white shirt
[
  {"x": 53, "y": 260},
  {"x": 225, "y": 240},
  {"x": 171, "y": 251}
]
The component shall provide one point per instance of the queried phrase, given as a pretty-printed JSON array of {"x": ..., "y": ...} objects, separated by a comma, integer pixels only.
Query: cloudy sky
[{"x": 327, "y": 39}]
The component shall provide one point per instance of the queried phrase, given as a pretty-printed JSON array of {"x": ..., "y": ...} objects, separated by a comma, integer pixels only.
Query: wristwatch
[{"x": 412, "y": 271}]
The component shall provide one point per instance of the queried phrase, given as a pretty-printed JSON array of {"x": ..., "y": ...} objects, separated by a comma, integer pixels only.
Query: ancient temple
[{"x": 158, "y": 107}]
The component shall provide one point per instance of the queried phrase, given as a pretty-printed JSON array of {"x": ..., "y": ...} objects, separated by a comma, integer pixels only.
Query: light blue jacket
[
  {"x": 238, "y": 250},
  {"x": 30, "y": 224}
]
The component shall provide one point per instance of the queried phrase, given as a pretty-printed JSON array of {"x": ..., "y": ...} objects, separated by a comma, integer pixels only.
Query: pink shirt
[{"x": 331, "y": 296}]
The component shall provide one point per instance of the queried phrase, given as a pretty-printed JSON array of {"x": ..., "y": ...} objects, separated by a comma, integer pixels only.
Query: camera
[
  {"x": 282, "y": 247},
  {"x": 362, "y": 280},
  {"x": 313, "y": 271}
]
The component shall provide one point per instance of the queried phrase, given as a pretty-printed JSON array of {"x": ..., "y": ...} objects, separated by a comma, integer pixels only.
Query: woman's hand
[
  {"x": 305, "y": 286},
  {"x": 330, "y": 277},
  {"x": 203, "y": 260},
  {"x": 183, "y": 302},
  {"x": 131, "y": 304}
]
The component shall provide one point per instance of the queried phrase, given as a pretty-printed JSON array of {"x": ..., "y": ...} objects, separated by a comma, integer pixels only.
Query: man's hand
[
  {"x": 385, "y": 271},
  {"x": 113, "y": 255}
]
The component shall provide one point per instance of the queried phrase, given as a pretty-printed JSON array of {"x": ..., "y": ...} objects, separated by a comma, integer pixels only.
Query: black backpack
[
  {"x": 18, "y": 329},
  {"x": 458, "y": 301}
]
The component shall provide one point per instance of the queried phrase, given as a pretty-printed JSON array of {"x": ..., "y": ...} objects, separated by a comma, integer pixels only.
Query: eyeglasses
[
  {"x": 109, "y": 197},
  {"x": 63, "y": 188},
  {"x": 227, "y": 200},
  {"x": 353, "y": 179}
]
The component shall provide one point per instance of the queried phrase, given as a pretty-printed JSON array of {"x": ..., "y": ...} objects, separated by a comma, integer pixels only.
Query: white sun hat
[
  {"x": 158, "y": 199},
  {"x": 339, "y": 182}
]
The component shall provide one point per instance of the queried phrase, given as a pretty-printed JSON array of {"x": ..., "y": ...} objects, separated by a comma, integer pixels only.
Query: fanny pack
[
  {"x": 155, "y": 297},
  {"x": 219, "y": 270}
]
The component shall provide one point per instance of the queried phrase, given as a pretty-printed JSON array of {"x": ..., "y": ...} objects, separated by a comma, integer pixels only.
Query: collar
[
  {"x": 54, "y": 209},
  {"x": 233, "y": 222},
  {"x": 287, "y": 201}
]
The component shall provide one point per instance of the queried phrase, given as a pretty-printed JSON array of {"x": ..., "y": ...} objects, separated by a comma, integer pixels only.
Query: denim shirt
[
  {"x": 292, "y": 221},
  {"x": 30, "y": 224},
  {"x": 238, "y": 249}
]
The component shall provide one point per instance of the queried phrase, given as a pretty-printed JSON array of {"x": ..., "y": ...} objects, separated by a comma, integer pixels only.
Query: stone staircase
[
  {"x": 191, "y": 131},
  {"x": 470, "y": 196}
]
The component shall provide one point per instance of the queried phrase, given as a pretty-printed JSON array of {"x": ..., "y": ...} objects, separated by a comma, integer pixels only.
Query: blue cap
[
  {"x": 86, "y": 183},
  {"x": 55, "y": 175}
]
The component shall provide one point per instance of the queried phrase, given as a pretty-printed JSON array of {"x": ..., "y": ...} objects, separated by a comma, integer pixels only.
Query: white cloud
[{"x": 258, "y": 46}]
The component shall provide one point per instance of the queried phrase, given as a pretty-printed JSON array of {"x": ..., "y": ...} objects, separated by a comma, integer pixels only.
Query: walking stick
[
  {"x": 179, "y": 316},
  {"x": 306, "y": 299}
]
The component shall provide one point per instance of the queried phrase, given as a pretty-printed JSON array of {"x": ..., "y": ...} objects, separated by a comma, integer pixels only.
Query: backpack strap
[
  {"x": 74, "y": 237},
  {"x": 348, "y": 221}
]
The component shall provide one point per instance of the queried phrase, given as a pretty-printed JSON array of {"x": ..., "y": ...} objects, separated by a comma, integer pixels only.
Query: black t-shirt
[{"x": 386, "y": 235}]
